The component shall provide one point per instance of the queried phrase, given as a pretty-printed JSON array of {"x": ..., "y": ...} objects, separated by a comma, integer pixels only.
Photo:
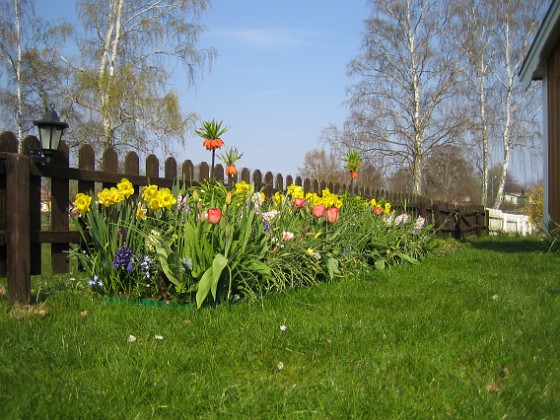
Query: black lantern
[{"x": 50, "y": 132}]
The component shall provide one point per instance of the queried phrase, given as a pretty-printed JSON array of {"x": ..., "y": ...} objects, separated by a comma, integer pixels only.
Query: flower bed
[{"x": 211, "y": 244}]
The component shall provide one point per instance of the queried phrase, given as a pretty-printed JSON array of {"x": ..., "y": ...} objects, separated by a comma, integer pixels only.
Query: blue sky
[{"x": 279, "y": 78}]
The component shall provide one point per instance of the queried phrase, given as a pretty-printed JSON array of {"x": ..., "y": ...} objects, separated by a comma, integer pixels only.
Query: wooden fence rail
[{"x": 22, "y": 183}]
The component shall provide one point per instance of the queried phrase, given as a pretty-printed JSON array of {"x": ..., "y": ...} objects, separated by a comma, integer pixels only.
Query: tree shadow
[{"x": 509, "y": 245}]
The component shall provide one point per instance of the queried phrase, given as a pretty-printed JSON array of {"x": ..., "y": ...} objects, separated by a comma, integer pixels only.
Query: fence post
[
  {"x": 86, "y": 160},
  {"x": 479, "y": 221},
  {"x": 60, "y": 192},
  {"x": 9, "y": 144},
  {"x": 437, "y": 217},
  {"x": 268, "y": 184},
  {"x": 35, "y": 196},
  {"x": 18, "y": 235}
]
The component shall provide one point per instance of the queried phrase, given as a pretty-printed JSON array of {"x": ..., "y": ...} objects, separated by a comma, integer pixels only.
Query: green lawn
[{"x": 471, "y": 334}]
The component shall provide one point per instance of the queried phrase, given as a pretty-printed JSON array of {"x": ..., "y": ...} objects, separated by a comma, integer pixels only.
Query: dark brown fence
[{"x": 23, "y": 182}]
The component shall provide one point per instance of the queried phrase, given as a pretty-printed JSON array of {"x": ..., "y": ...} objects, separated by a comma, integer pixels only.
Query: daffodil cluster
[
  {"x": 243, "y": 189},
  {"x": 115, "y": 195},
  {"x": 296, "y": 191},
  {"x": 157, "y": 199},
  {"x": 293, "y": 192},
  {"x": 327, "y": 199},
  {"x": 380, "y": 207}
]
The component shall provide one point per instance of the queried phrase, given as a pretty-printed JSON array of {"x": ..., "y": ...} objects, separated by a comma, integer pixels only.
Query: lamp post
[{"x": 50, "y": 132}]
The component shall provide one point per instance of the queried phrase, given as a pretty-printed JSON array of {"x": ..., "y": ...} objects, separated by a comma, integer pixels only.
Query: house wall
[{"x": 553, "y": 126}]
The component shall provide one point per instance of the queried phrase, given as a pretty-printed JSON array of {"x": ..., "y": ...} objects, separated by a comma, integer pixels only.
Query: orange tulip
[{"x": 353, "y": 174}]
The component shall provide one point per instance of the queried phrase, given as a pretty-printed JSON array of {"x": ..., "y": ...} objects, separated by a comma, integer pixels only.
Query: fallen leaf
[
  {"x": 131, "y": 339},
  {"x": 187, "y": 321},
  {"x": 495, "y": 297},
  {"x": 328, "y": 341},
  {"x": 505, "y": 371},
  {"x": 492, "y": 387},
  {"x": 280, "y": 366},
  {"x": 83, "y": 314},
  {"x": 158, "y": 337}
]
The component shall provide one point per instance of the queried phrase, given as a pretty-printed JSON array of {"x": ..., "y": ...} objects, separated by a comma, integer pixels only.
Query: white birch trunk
[
  {"x": 107, "y": 69},
  {"x": 506, "y": 137},
  {"x": 19, "y": 111}
]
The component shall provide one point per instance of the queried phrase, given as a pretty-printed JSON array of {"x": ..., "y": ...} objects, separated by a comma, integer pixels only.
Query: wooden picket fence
[{"x": 22, "y": 183}]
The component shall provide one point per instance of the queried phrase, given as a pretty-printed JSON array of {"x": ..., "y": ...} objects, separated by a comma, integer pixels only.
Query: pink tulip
[
  {"x": 332, "y": 215},
  {"x": 318, "y": 211},
  {"x": 214, "y": 216},
  {"x": 287, "y": 236},
  {"x": 299, "y": 202}
]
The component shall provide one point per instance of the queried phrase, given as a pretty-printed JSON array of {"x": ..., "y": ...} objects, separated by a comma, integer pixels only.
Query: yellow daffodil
[
  {"x": 141, "y": 212},
  {"x": 296, "y": 191},
  {"x": 149, "y": 193},
  {"x": 278, "y": 198},
  {"x": 104, "y": 197},
  {"x": 115, "y": 196},
  {"x": 125, "y": 187},
  {"x": 387, "y": 208},
  {"x": 165, "y": 198},
  {"x": 82, "y": 203},
  {"x": 242, "y": 188}
]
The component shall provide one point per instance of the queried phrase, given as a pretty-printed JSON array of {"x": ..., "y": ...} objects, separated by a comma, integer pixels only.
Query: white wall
[{"x": 500, "y": 222}]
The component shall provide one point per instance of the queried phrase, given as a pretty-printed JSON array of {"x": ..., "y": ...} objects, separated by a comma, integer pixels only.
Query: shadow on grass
[{"x": 509, "y": 244}]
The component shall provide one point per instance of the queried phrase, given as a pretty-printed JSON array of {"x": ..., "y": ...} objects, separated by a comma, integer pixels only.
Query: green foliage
[
  {"x": 552, "y": 237},
  {"x": 535, "y": 205},
  {"x": 211, "y": 130},
  {"x": 223, "y": 258}
]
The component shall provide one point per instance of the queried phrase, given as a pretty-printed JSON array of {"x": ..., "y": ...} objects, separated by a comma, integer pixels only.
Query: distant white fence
[{"x": 500, "y": 222}]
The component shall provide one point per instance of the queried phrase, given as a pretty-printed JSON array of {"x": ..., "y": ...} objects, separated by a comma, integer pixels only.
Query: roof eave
[{"x": 534, "y": 65}]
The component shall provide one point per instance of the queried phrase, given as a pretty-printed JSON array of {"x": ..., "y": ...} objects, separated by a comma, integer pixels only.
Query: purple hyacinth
[{"x": 123, "y": 258}]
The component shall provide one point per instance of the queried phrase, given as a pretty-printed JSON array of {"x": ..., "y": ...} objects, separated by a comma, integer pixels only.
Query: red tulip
[
  {"x": 299, "y": 202},
  {"x": 318, "y": 210},
  {"x": 214, "y": 215},
  {"x": 378, "y": 211},
  {"x": 332, "y": 215}
]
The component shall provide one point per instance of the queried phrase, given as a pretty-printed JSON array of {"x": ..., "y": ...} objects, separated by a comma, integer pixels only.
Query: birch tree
[
  {"x": 14, "y": 14},
  {"x": 402, "y": 106},
  {"x": 31, "y": 77},
  {"x": 475, "y": 31},
  {"x": 121, "y": 92},
  {"x": 517, "y": 21}
]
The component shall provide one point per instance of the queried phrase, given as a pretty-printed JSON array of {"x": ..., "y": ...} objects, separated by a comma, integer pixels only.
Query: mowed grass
[{"x": 471, "y": 334}]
